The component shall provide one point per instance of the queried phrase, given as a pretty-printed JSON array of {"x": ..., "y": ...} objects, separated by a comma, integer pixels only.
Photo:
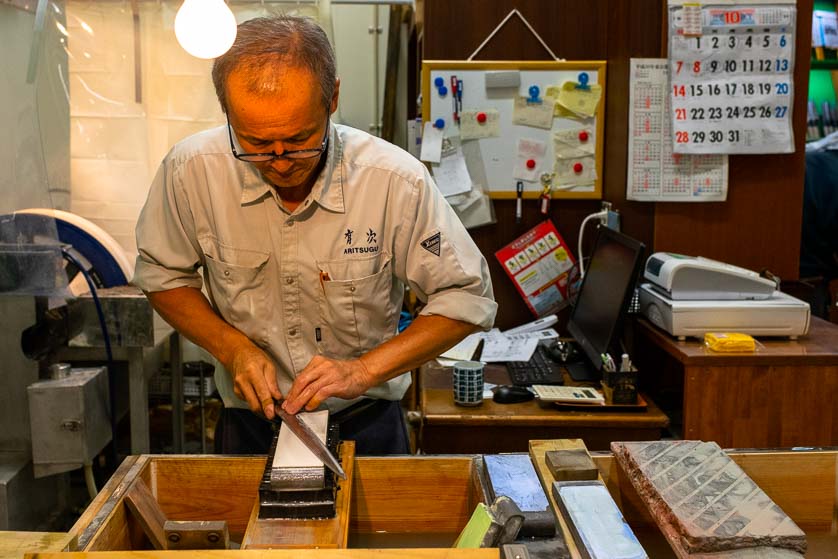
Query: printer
[{"x": 688, "y": 296}]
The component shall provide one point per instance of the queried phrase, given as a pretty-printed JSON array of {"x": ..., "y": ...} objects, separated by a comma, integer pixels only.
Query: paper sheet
[
  {"x": 655, "y": 173},
  {"x": 499, "y": 348},
  {"x": 464, "y": 350},
  {"x": 575, "y": 142},
  {"x": 472, "y": 129},
  {"x": 580, "y": 101},
  {"x": 451, "y": 174},
  {"x": 431, "y": 143},
  {"x": 566, "y": 173},
  {"x": 291, "y": 452},
  {"x": 537, "y": 115},
  {"x": 529, "y": 150},
  {"x": 731, "y": 86}
]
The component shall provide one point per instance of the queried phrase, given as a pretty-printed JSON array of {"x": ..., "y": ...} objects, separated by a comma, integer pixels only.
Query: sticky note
[
  {"x": 529, "y": 159},
  {"x": 574, "y": 142},
  {"x": 537, "y": 115},
  {"x": 431, "y": 143},
  {"x": 580, "y": 101},
  {"x": 575, "y": 170},
  {"x": 471, "y": 127}
]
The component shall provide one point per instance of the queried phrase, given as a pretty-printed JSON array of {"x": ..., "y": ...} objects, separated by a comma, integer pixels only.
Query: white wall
[{"x": 117, "y": 142}]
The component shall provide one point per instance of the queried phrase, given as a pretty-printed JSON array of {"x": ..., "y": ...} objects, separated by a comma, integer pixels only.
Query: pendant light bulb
[{"x": 205, "y": 28}]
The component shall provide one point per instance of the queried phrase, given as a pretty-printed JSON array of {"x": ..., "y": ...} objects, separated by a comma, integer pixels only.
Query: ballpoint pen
[{"x": 519, "y": 193}]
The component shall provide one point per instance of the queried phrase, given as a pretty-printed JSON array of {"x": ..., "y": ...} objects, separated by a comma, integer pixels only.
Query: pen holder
[
  {"x": 468, "y": 383},
  {"x": 620, "y": 387}
]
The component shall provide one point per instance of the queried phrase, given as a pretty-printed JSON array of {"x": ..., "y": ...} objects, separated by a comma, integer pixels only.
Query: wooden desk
[
  {"x": 491, "y": 427},
  {"x": 783, "y": 395}
]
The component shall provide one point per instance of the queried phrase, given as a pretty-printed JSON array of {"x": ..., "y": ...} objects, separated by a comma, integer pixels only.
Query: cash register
[{"x": 689, "y": 296}]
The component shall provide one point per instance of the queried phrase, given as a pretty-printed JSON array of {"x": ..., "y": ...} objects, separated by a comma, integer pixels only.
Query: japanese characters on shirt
[{"x": 731, "y": 81}]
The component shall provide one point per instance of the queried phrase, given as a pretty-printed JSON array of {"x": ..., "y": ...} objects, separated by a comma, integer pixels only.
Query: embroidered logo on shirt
[
  {"x": 372, "y": 241},
  {"x": 431, "y": 244}
]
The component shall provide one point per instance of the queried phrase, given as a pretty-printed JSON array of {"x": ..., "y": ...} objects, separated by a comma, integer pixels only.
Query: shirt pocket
[
  {"x": 237, "y": 283},
  {"x": 357, "y": 311}
]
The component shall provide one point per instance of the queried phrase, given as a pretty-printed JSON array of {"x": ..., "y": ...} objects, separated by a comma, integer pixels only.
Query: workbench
[
  {"x": 413, "y": 502},
  {"x": 492, "y": 427},
  {"x": 782, "y": 395}
]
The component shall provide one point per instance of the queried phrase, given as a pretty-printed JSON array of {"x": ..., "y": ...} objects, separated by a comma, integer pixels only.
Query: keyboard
[{"x": 540, "y": 369}]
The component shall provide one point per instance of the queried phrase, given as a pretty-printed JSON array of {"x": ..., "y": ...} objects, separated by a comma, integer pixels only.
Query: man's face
[{"x": 290, "y": 118}]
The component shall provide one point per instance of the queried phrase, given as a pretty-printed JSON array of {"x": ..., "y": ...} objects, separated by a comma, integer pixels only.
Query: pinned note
[
  {"x": 575, "y": 171},
  {"x": 431, "y": 143},
  {"x": 575, "y": 142},
  {"x": 476, "y": 125},
  {"x": 528, "y": 163},
  {"x": 451, "y": 174},
  {"x": 538, "y": 115},
  {"x": 582, "y": 101}
]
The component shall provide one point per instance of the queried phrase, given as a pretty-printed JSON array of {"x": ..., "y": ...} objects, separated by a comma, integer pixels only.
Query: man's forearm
[
  {"x": 188, "y": 311},
  {"x": 423, "y": 340}
]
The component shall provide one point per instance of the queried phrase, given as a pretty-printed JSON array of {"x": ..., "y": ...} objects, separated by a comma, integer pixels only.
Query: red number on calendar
[
  {"x": 680, "y": 91},
  {"x": 732, "y": 17},
  {"x": 697, "y": 67},
  {"x": 682, "y": 137},
  {"x": 680, "y": 65},
  {"x": 680, "y": 114}
]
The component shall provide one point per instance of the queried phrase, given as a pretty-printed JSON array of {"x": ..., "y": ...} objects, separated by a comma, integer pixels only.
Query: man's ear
[{"x": 335, "y": 95}]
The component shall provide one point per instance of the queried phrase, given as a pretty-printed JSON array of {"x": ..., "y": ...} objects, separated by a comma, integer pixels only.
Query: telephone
[{"x": 534, "y": 326}]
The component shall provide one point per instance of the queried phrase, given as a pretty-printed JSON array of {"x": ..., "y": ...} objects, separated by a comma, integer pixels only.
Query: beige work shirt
[{"x": 327, "y": 278}]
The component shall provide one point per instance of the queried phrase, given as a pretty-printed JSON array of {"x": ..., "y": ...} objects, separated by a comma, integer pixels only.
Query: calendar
[
  {"x": 655, "y": 173},
  {"x": 731, "y": 68}
]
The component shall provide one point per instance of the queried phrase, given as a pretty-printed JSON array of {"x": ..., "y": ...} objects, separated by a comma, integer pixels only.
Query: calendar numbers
[{"x": 732, "y": 83}]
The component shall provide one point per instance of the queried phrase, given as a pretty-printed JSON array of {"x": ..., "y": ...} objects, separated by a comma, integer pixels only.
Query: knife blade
[{"x": 311, "y": 440}]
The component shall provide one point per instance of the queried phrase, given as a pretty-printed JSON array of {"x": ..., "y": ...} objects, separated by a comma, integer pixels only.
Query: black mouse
[{"x": 508, "y": 394}]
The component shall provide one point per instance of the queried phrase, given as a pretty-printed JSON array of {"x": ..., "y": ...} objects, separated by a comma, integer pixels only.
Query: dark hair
[{"x": 265, "y": 44}]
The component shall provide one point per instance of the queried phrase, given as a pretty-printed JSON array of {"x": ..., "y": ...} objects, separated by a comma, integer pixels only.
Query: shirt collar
[{"x": 327, "y": 190}]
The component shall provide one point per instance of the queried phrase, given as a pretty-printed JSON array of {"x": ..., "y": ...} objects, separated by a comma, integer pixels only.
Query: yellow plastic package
[{"x": 729, "y": 342}]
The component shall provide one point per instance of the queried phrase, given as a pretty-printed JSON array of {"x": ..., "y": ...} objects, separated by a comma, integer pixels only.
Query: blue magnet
[
  {"x": 439, "y": 82},
  {"x": 534, "y": 91},
  {"x": 583, "y": 81},
  {"x": 439, "y": 123},
  {"x": 443, "y": 91}
]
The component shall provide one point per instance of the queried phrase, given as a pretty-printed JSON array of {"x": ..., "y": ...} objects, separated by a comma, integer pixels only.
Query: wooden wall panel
[{"x": 764, "y": 206}]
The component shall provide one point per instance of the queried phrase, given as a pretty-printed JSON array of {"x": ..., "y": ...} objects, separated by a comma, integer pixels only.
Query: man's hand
[
  {"x": 324, "y": 377},
  {"x": 254, "y": 379}
]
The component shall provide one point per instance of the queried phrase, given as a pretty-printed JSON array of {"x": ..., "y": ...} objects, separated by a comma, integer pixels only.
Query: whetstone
[
  {"x": 572, "y": 464},
  {"x": 702, "y": 500}
]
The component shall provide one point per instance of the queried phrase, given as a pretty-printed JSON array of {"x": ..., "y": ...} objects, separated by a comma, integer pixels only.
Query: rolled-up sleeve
[
  {"x": 168, "y": 250},
  {"x": 442, "y": 264}
]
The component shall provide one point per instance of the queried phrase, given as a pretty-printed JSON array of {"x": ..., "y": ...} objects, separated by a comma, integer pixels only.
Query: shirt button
[
  {"x": 289, "y": 281},
  {"x": 292, "y": 332},
  {"x": 352, "y": 289},
  {"x": 226, "y": 272},
  {"x": 289, "y": 223}
]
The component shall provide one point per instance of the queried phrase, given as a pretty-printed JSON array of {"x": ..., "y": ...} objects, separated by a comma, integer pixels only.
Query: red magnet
[
  {"x": 481, "y": 117},
  {"x": 577, "y": 168},
  {"x": 583, "y": 136},
  {"x": 530, "y": 163}
]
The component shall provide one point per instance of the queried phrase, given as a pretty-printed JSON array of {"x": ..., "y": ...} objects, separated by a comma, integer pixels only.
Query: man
[
  {"x": 819, "y": 235},
  {"x": 307, "y": 233}
]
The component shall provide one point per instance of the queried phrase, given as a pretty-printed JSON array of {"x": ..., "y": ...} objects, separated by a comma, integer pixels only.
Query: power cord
[
  {"x": 82, "y": 265},
  {"x": 602, "y": 216}
]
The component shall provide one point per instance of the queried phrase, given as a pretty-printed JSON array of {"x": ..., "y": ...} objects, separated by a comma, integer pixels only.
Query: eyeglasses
[{"x": 286, "y": 154}]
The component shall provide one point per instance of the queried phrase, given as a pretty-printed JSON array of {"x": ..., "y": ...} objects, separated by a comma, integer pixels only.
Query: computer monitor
[{"x": 603, "y": 300}]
